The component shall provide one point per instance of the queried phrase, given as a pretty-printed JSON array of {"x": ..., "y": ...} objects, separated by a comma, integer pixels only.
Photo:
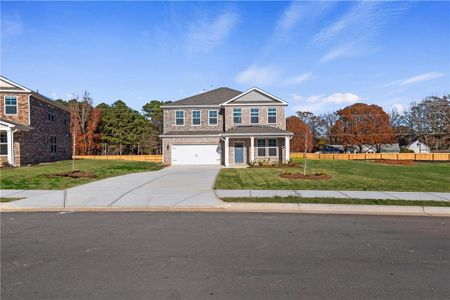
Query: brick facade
[
  {"x": 263, "y": 120},
  {"x": 169, "y": 120},
  {"x": 34, "y": 146}
]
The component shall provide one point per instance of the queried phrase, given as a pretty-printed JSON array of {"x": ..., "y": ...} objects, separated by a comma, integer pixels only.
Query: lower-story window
[
  {"x": 272, "y": 147},
  {"x": 53, "y": 147},
  {"x": 3, "y": 143},
  {"x": 261, "y": 147}
]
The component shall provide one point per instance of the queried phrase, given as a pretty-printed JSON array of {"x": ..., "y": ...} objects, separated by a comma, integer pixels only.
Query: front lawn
[
  {"x": 291, "y": 199},
  {"x": 37, "y": 177},
  {"x": 345, "y": 175}
]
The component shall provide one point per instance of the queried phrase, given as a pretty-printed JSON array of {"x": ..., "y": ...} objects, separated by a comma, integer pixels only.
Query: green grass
[
  {"x": 36, "y": 177},
  {"x": 292, "y": 199},
  {"x": 8, "y": 199},
  {"x": 346, "y": 175}
]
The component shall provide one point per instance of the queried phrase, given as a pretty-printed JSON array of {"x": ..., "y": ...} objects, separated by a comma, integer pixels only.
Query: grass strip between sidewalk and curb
[
  {"x": 8, "y": 199},
  {"x": 292, "y": 199}
]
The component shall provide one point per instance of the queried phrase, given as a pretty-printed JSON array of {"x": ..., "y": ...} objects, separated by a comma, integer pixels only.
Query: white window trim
[
  {"x": 240, "y": 109},
  {"x": 267, "y": 147},
  {"x": 4, "y": 105},
  {"x": 192, "y": 117},
  {"x": 184, "y": 117},
  {"x": 251, "y": 115},
  {"x": 217, "y": 124},
  {"x": 276, "y": 116}
]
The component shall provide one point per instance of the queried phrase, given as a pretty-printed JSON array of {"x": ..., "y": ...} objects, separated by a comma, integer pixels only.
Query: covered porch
[
  {"x": 7, "y": 130},
  {"x": 246, "y": 148}
]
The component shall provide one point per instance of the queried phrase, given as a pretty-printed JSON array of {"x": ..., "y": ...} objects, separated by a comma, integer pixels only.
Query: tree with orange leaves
[
  {"x": 300, "y": 130},
  {"x": 84, "y": 123},
  {"x": 362, "y": 124}
]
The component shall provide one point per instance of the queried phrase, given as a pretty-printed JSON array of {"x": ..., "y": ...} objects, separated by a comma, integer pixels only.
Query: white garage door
[{"x": 195, "y": 155}]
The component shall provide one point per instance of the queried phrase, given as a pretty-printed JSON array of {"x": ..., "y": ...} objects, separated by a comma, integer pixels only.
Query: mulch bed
[
  {"x": 74, "y": 174},
  {"x": 302, "y": 176},
  {"x": 394, "y": 162}
]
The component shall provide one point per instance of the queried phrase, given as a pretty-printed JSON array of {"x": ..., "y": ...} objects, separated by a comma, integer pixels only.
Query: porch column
[
  {"x": 287, "y": 148},
  {"x": 227, "y": 152},
  {"x": 9, "y": 138},
  {"x": 252, "y": 149}
]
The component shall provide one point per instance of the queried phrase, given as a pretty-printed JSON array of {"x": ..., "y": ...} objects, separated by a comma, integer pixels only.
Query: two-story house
[
  {"x": 33, "y": 128},
  {"x": 225, "y": 126}
]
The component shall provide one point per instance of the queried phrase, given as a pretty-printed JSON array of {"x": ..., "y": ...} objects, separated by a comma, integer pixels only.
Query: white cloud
[
  {"x": 11, "y": 26},
  {"x": 259, "y": 75},
  {"x": 321, "y": 103},
  {"x": 342, "y": 51},
  {"x": 204, "y": 36},
  {"x": 291, "y": 16},
  {"x": 420, "y": 78},
  {"x": 298, "y": 79},
  {"x": 399, "y": 107}
]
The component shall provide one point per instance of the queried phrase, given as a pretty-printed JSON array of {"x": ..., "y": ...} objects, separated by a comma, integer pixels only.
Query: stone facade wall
[
  {"x": 167, "y": 142},
  {"x": 263, "y": 119},
  {"x": 35, "y": 144},
  {"x": 169, "y": 120},
  {"x": 22, "y": 108}
]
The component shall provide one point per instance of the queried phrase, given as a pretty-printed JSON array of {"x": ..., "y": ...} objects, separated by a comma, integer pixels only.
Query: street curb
[{"x": 305, "y": 208}]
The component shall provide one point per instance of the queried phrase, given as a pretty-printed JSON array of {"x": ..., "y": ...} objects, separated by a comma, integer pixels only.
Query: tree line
[
  {"x": 114, "y": 128},
  {"x": 360, "y": 125},
  {"x": 118, "y": 129}
]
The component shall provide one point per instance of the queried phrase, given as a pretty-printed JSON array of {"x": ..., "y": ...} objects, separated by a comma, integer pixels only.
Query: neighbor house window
[
  {"x": 10, "y": 105},
  {"x": 179, "y": 117},
  {"x": 51, "y": 113},
  {"x": 213, "y": 117},
  {"x": 261, "y": 147},
  {"x": 196, "y": 117},
  {"x": 254, "y": 115},
  {"x": 272, "y": 115},
  {"x": 53, "y": 144},
  {"x": 272, "y": 147},
  {"x": 3, "y": 143},
  {"x": 65, "y": 119},
  {"x": 237, "y": 116}
]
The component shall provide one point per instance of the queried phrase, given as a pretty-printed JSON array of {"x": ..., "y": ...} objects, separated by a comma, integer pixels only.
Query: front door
[{"x": 239, "y": 153}]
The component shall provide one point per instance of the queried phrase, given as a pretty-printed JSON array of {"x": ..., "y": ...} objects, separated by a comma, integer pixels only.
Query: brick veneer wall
[
  {"x": 35, "y": 144},
  {"x": 22, "y": 108},
  {"x": 245, "y": 110},
  {"x": 169, "y": 120}
]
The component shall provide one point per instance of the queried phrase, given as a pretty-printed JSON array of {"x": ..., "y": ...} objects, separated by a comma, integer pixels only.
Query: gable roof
[
  {"x": 9, "y": 86},
  {"x": 270, "y": 98},
  {"x": 214, "y": 98}
]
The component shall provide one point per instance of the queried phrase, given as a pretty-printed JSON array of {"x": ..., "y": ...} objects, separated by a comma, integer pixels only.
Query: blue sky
[{"x": 318, "y": 56}]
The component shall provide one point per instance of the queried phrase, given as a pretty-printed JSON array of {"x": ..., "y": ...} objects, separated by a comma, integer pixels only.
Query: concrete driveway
[{"x": 179, "y": 186}]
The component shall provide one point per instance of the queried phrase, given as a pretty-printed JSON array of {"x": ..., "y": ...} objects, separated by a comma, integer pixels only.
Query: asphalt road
[{"x": 119, "y": 255}]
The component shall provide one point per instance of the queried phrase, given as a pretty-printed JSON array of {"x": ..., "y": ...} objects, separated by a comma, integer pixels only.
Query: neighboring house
[
  {"x": 33, "y": 128},
  {"x": 419, "y": 147},
  {"x": 385, "y": 148},
  {"x": 225, "y": 126}
]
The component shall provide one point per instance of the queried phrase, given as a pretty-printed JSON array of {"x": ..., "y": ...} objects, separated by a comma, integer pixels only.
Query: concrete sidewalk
[{"x": 418, "y": 196}]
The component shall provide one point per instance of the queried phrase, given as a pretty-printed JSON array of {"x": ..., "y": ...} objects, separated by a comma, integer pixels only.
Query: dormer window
[
  {"x": 179, "y": 117},
  {"x": 196, "y": 118},
  {"x": 254, "y": 116},
  {"x": 10, "y": 105}
]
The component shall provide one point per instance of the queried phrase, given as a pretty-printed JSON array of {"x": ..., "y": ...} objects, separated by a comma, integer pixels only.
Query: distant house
[
  {"x": 33, "y": 128},
  {"x": 419, "y": 147},
  {"x": 385, "y": 148}
]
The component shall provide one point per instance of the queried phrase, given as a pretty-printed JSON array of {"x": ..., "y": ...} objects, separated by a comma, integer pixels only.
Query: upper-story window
[
  {"x": 237, "y": 116},
  {"x": 213, "y": 117},
  {"x": 51, "y": 113},
  {"x": 196, "y": 117},
  {"x": 254, "y": 115},
  {"x": 65, "y": 119},
  {"x": 179, "y": 117},
  {"x": 272, "y": 115},
  {"x": 10, "y": 105}
]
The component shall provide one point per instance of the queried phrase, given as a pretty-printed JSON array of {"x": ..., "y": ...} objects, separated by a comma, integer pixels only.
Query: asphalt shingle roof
[
  {"x": 256, "y": 130},
  {"x": 190, "y": 132},
  {"x": 213, "y": 97}
]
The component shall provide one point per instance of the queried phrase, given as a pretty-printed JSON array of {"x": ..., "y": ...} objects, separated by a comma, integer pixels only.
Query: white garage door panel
[{"x": 195, "y": 155}]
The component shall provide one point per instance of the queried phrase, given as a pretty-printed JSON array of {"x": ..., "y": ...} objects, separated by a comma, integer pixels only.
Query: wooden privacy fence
[
  {"x": 368, "y": 156},
  {"x": 149, "y": 158}
]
